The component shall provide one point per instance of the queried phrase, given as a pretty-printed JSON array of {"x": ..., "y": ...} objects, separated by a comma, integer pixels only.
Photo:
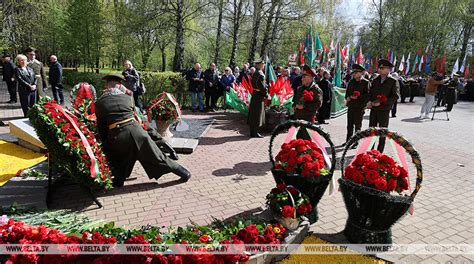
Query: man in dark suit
[
  {"x": 384, "y": 92},
  {"x": 9, "y": 77},
  {"x": 55, "y": 79}
]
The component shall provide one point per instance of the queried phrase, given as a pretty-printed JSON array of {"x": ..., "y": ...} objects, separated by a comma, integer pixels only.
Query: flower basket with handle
[
  {"x": 288, "y": 205},
  {"x": 164, "y": 110},
  {"x": 372, "y": 210},
  {"x": 313, "y": 185}
]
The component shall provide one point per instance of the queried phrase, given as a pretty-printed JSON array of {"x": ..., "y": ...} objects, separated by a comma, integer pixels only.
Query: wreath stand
[{"x": 51, "y": 189}]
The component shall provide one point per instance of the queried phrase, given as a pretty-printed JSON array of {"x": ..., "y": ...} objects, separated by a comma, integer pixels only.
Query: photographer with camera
[{"x": 431, "y": 88}]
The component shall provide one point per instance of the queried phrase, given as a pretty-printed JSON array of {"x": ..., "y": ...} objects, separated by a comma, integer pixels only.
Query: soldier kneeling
[{"x": 123, "y": 138}]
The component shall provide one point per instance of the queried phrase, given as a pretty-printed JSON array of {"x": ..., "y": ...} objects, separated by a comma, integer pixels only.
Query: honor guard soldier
[
  {"x": 308, "y": 99},
  {"x": 38, "y": 68},
  {"x": 124, "y": 140},
  {"x": 257, "y": 106},
  {"x": 384, "y": 91},
  {"x": 357, "y": 96}
]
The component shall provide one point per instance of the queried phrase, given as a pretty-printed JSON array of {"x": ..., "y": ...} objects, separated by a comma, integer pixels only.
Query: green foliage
[{"x": 64, "y": 220}]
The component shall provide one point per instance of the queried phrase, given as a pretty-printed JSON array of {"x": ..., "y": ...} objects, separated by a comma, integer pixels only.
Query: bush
[{"x": 155, "y": 83}]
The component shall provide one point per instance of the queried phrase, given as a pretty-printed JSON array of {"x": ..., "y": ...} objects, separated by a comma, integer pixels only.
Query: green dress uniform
[
  {"x": 40, "y": 75},
  {"x": 356, "y": 107},
  {"x": 127, "y": 142},
  {"x": 379, "y": 115},
  {"x": 310, "y": 109},
  {"x": 256, "y": 117}
]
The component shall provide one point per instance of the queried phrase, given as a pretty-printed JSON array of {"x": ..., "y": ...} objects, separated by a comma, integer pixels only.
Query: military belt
[{"x": 120, "y": 123}]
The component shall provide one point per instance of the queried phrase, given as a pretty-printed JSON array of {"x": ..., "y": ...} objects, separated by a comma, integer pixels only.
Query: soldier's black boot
[{"x": 183, "y": 173}]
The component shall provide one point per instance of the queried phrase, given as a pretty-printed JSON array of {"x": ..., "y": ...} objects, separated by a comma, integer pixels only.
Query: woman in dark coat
[
  {"x": 325, "y": 110},
  {"x": 132, "y": 82},
  {"x": 26, "y": 84}
]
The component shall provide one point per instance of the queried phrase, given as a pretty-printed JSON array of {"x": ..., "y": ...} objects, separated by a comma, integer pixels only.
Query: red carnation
[
  {"x": 382, "y": 98},
  {"x": 392, "y": 185},
  {"x": 248, "y": 234},
  {"x": 204, "y": 239},
  {"x": 308, "y": 96},
  {"x": 381, "y": 184},
  {"x": 281, "y": 186},
  {"x": 288, "y": 211},
  {"x": 356, "y": 93}
]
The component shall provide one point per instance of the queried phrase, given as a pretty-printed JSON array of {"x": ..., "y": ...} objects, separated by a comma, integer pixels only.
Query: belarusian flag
[
  {"x": 360, "y": 57},
  {"x": 442, "y": 68},
  {"x": 466, "y": 72}
]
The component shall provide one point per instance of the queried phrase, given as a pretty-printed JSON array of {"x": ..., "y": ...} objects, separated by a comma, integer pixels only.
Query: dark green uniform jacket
[
  {"x": 309, "y": 108},
  {"x": 390, "y": 88},
  {"x": 363, "y": 87},
  {"x": 128, "y": 143},
  {"x": 257, "y": 106},
  {"x": 379, "y": 115},
  {"x": 355, "y": 107}
]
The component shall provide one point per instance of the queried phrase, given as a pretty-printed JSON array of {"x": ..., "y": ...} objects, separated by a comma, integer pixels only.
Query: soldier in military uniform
[
  {"x": 256, "y": 117},
  {"x": 357, "y": 96},
  {"x": 307, "y": 109},
  {"x": 124, "y": 140},
  {"x": 384, "y": 91},
  {"x": 38, "y": 68},
  {"x": 451, "y": 92}
]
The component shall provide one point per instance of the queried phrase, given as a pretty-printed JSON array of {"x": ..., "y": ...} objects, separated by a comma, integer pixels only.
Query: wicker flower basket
[
  {"x": 373, "y": 212},
  {"x": 313, "y": 187},
  {"x": 275, "y": 117},
  {"x": 291, "y": 223},
  {"x": 163, "y": 128}
]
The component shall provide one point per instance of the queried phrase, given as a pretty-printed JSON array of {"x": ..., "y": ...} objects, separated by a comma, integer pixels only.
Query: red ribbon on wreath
[{"x": 94, "y": 166}]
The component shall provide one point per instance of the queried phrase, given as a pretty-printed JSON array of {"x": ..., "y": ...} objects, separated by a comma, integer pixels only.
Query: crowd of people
[{"x": 380, "y": 91}]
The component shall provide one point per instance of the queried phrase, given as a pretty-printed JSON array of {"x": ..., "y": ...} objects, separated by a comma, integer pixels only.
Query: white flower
[{"x": 3, "y": 219}]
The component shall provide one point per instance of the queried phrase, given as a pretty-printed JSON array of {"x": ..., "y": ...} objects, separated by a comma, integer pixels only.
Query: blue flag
[{"x": 427, "y": 65}]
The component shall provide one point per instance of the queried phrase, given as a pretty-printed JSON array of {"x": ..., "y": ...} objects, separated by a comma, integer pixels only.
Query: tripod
[{"x": 434, "y": 110}]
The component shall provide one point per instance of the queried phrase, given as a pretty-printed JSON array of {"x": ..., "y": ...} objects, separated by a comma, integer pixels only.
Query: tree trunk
[
  {"x": 380, "y": 29},
  {"x": 163, "y": 58},
  {"x": 235, "y": 39},
  {"x": 257, "y": 18},
  {"x": 219, "y": 29},
  {"x": 467, "y": 29},
  {"x": 268, "y": 27},
  {"x": 179, "y": 49},
  {"x": 273, "y": 37}
]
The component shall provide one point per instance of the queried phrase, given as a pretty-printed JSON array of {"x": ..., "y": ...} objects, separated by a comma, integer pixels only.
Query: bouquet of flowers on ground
[
  {"x": 379, "y": 171},
  {"x": 301, "y": 157},
  {"x": 287, "y": 202},
  {"x": 163, "y": 109}
]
